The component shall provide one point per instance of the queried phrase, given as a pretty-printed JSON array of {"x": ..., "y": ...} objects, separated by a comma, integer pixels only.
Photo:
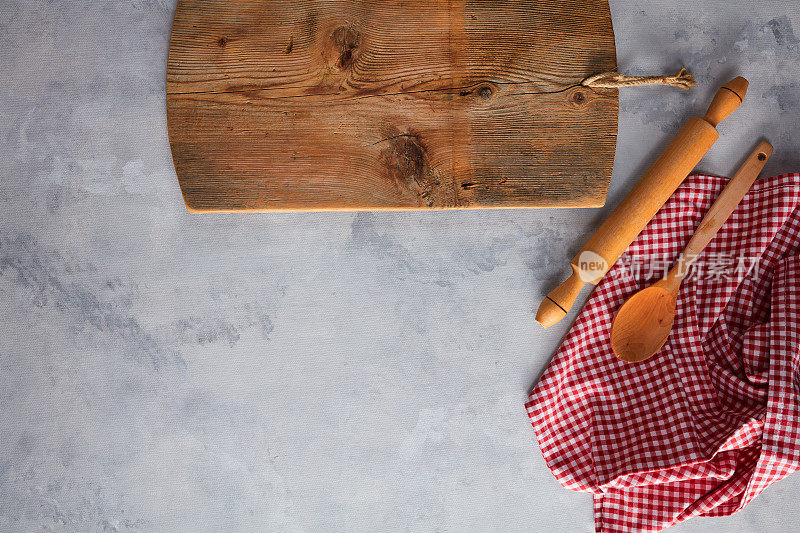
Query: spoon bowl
[{"x": 643, "y": 324}]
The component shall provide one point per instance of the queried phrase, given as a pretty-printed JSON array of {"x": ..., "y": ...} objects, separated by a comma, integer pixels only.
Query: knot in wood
[
  {"x": 485, "y": 92},
  {"x": 405, "y": 160},
  {"x": 578, "y": 97},
  {"x": 345, "y": 40}
]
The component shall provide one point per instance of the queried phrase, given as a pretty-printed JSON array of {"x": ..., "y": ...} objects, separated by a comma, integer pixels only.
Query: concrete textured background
[{"x": 162, "y": 372}]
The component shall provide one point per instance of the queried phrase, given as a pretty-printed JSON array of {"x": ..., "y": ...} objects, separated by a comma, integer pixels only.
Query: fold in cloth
[{"x": 713, "y": 418}]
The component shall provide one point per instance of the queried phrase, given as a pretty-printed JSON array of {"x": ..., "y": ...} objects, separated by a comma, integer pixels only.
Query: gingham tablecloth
[{"x": 710, "y": 421}]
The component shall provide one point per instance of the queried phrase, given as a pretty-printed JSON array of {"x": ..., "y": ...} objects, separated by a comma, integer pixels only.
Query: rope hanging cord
[{"x": 683, "y": 79}]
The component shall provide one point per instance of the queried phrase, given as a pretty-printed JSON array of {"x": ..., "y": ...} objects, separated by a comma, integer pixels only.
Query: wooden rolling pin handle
[
  {"x": 726, "y": 101},
  {"x": 556, "y": 305}
]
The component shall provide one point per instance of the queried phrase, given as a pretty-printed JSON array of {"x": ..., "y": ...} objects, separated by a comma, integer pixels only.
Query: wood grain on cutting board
[{"x": 390, "y": 104}]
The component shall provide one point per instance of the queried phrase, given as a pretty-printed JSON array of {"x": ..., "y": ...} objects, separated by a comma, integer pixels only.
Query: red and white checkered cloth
[{"x": 710, "y": 421}]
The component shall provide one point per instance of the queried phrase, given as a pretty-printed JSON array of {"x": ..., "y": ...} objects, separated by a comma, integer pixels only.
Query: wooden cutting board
[{"x": 390, "y": 104}]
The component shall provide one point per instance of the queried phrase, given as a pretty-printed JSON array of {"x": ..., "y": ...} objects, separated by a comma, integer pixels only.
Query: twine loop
[{"x": 683, "y": 79}]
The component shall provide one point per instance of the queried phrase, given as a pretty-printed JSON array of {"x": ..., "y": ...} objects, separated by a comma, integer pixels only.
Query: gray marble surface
[{"x": 163, "y": 372}]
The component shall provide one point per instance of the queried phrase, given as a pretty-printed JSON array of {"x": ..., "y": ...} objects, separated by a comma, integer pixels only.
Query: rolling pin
[{"x": 645, "y": 199}]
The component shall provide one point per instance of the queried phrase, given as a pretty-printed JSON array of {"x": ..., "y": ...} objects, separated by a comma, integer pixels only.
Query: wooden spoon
[{"x": 644, "y": 322}]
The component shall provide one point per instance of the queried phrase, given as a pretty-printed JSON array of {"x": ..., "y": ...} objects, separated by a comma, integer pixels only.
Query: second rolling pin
[{"x": 645, "y": 199}]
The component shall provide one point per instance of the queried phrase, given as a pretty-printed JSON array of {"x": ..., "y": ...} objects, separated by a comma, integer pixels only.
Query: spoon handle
[{"x": 725, "y": 204}]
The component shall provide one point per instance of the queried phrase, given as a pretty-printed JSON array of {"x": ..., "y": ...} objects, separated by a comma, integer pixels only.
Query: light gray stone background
[{"x": 161, "y": 371}]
